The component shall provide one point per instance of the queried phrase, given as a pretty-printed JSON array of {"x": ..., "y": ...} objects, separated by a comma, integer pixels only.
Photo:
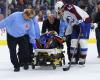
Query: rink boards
[{"x": 4, "y": 42}]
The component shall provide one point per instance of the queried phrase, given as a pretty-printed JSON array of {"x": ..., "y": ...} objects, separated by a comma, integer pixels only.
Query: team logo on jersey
[
  {"x": 26, "y": 26},
  {"x": 69, "y": 19}
]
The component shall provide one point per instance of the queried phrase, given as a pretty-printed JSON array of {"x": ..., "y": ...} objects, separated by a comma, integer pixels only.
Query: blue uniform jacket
[{"x": 17, "y": 26}]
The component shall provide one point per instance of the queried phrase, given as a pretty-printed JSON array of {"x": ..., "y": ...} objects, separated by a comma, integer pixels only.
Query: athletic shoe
[{"x": 16, "y": 69}]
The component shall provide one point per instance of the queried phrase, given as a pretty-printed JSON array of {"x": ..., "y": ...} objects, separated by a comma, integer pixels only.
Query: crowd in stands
[{"x": 44, "y": 5}]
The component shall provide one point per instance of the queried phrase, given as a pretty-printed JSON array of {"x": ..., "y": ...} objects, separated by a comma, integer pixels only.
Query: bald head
[{"x": 51, "y": 18}]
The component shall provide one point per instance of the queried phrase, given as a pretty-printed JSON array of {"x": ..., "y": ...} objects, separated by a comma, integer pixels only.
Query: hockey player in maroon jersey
[{"x": 80, "y": 22}]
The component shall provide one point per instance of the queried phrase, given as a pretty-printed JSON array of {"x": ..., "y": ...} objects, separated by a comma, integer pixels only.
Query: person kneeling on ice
[
  {"x": 81, "y": 23},
  {"x": 18, "y": 25}
]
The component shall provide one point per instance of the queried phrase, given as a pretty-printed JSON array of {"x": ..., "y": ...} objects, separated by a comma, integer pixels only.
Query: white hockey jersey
[{"x": 74, "y": 15}]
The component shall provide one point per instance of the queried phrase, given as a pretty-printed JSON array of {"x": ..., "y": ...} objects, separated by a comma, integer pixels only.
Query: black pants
[
  {"x": 98, "y": 40},
  {"x": 31, "y": 54},
  {"x": 68, "y": 43},
  {"x": 22, "y": 42}
]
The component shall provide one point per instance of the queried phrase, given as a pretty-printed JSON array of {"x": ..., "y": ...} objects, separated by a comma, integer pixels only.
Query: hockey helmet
[{"x": 58, "y": 5}]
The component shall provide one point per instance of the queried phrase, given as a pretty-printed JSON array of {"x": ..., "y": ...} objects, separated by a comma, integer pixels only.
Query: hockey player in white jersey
[{"x": 75, "y": 16}]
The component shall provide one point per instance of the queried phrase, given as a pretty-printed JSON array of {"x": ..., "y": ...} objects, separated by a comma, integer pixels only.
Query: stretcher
[{"x": 48, "y": 57}]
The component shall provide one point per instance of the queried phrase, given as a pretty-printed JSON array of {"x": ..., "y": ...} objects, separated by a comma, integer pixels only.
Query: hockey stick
[{"x": 70, "y": 63}]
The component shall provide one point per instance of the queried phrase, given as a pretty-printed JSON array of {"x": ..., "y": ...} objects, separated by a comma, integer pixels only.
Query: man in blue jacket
[
  {"x": 31, "y": 54},
  {"x": 18, "y": 25}
]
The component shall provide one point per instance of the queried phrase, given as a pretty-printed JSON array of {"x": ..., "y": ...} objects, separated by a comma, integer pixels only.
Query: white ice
[{"x": 90, "y": 71}]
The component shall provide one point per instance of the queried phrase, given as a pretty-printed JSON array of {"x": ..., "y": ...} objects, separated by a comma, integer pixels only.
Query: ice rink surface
[{"x": 91, "y": 70}]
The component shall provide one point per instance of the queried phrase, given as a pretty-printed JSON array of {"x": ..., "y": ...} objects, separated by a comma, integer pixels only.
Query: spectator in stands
[
  {"x": 11, "y": 9},
  {"x": 21, "y": 5},
  {"x": 2, "y": 7},
  {"x": 40, "y": 18}
]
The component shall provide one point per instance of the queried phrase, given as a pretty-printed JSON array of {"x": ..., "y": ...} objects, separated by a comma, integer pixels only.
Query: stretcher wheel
[
  {"x": 54, "y": 67},
  {"x": 60, "y": 63},
  {"x": 33, "y": 66}
]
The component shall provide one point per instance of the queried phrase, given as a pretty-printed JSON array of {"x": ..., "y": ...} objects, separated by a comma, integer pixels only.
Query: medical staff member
[{"x": 18, "y": 25}]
